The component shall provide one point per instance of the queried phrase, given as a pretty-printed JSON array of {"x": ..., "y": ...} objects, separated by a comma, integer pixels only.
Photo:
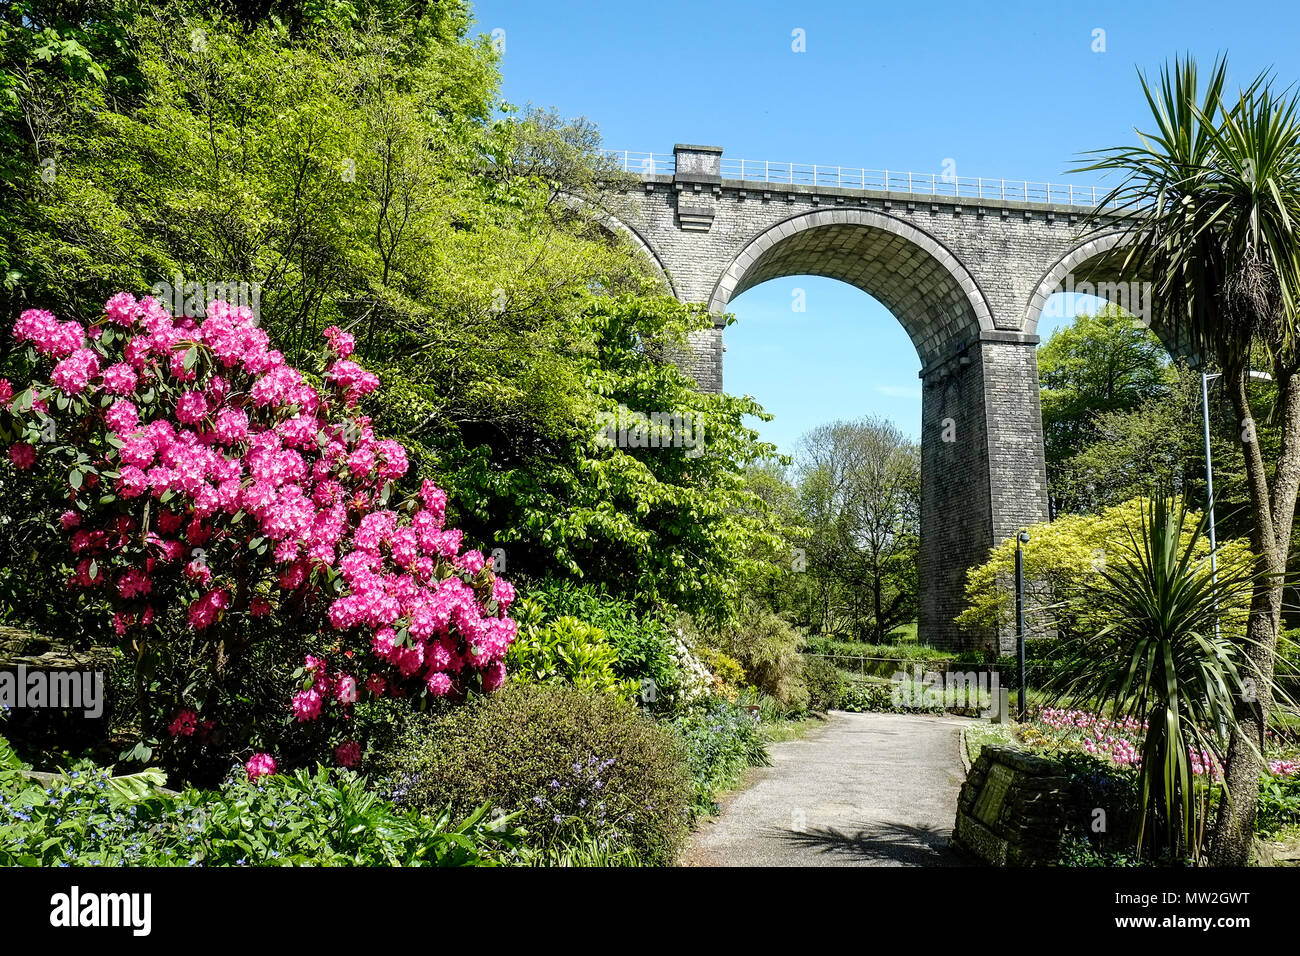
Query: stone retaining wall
[{"x": 1013, "y": 808}]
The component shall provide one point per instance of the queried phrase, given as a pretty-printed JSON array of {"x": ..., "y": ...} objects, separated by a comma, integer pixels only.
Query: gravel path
[{"x": 863, "y": 790}]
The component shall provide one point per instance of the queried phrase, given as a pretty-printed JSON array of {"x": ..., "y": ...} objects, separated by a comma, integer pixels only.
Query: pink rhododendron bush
[{"x": 243, "y": 530}]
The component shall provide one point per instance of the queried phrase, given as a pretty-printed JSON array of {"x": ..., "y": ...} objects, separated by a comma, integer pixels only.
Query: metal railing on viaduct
[{"x": 876, "y": 180}]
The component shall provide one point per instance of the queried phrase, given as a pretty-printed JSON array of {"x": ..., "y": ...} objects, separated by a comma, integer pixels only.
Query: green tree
[
  {"x": 1098, "y": 364},
  {"x": 349, "y": 160},
  {"x": 780, "y": 582},
  {"x": 561, "y": 496},
  {"x": 1061, "y": 560},
  {"x": 860, "y": 487}
]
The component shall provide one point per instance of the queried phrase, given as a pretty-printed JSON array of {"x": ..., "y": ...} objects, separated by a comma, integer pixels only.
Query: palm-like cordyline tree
[
  {"x": 1163, "y": 659},
  {"x": 1214, "y": 198}
]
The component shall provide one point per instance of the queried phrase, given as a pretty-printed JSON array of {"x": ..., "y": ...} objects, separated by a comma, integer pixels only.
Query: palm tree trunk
[{"x": 1273, "y": 513}]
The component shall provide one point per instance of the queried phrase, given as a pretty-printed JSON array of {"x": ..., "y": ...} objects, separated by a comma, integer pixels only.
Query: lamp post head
[{"x": 1023, "y": 537}]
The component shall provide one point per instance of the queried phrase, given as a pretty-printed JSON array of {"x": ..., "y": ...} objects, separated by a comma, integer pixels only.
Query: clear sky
[{"x": 1005, "y": 89}]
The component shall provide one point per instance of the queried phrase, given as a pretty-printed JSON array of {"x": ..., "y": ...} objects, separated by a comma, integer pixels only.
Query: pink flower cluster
[
  {"x": 185, "y": 724},
  {"x": 259, "y": 765},
  {"x": 1283, "y": 768},
  {"x": 255, "y": 491},
  {"x": 1082, "y": 720}
]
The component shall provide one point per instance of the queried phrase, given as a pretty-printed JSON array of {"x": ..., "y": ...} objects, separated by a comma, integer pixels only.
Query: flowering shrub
[
  {"x": 1118, "y": 739},
  {"x": 576, "y": 765},
  {"x": 722, "y": 741},
  {"x": 694, "y": 682},
  {"x": 213, "y": 497}
]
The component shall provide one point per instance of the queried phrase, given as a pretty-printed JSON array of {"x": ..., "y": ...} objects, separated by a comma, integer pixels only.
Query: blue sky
[{"x": 1009, "y": 89}]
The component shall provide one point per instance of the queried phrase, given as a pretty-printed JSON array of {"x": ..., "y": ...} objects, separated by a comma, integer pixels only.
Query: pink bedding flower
[
  {"x": 205, "y": 611},
  {"x": 134, "y": 582},
  {"x": 191, "y": 408},
  {"x": 439, "y": 684},
  {"x": 341, "y": 343},
  {"x": 48, "y": 335},
  {"x": 120, "y": 379},
  {"x": 73, "y": 374},
  {"x": 122, "y": 417},
  {"x": 307, "y": 704},
  {"x": 345, "y": 690},
  {"x": 122, "y": 309},
  {"x": 185, "y": 724}
]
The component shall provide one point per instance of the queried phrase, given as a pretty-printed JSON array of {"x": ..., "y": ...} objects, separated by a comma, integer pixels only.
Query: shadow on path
[{"x": 882, "y": 843}]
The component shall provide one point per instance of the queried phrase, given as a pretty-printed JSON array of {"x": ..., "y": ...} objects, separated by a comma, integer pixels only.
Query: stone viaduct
[{"x": 967, "y": 276}]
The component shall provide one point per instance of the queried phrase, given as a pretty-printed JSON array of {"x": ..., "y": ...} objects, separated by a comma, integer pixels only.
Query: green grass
[
  {"x": 783, "y": 730},
  {"x": 906, "y": 650},
  {"x": 904, "y": 632},
  {"x": 980, "y": 734}
]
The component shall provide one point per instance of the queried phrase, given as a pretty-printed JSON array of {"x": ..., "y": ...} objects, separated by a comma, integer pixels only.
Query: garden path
[{"x": 863, "y": 790}]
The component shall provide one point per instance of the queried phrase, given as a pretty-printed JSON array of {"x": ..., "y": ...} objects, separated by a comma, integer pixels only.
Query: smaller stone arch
[
  {"x": 615, "y": 226},
  {"x": 1096, "y": 259},
  {"x": 1098, "y": 266}
]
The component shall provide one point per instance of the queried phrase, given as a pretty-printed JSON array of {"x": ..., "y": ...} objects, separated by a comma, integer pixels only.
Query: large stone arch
[
  {"x": 966, "y": 276},
  {"x": 982, "y": 471},
  {"x": 911, "y": 273}
]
